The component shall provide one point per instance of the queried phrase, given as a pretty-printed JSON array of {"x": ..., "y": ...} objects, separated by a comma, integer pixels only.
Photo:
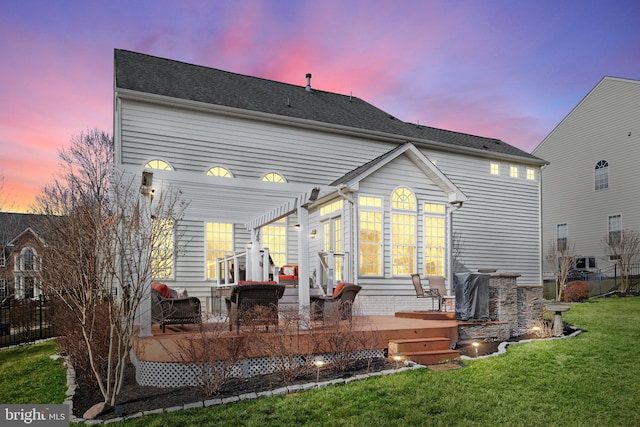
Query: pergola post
[{"x": 304, "y": 300}]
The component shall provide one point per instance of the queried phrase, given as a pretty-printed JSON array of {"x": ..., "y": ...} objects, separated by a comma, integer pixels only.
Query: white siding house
[
  {"x": 588, "y": 189},
  {"x": 390, "y": 197}
]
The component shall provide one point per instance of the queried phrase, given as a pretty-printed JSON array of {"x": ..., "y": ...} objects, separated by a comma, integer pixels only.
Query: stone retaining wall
[{"x": 512, "y": 308}]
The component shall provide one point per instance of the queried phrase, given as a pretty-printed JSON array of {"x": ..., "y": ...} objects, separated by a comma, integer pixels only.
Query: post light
[
  {"x": 476, "y": 344},
  {"x": 319, "y": 362},
  {"x": 398, "y": 357}
]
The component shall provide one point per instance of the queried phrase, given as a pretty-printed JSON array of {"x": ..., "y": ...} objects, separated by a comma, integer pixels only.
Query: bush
[
  {"x": 73, "y": 344},
  {"x": 576, "y": 291}
]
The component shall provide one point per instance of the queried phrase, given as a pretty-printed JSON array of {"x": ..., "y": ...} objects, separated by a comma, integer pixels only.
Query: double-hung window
[
  {"x": 615, "y": 229},
  {"x": 434, "y": 239},
  {"x": 562, "y": 235},
  {"x": 162, "y": 253},
  {"x": 371, "y": 238},
  {"x": 219, "y": 244}
]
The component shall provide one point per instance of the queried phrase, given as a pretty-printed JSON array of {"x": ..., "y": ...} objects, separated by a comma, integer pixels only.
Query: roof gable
[
  {"x": 420, "y": 160},
  {"x": 633, "y": 85}
]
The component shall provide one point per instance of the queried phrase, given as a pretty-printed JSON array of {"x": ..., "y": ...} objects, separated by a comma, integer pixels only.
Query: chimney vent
[{"x": 308, "y": 88}]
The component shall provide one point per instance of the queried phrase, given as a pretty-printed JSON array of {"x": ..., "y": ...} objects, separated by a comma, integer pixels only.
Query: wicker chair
[
  {"x": 174, "y": 311},
  {"x": 255, "y": 304},
  {"x": 436, "y": 289},
  {"x": 339, "y": 306}
]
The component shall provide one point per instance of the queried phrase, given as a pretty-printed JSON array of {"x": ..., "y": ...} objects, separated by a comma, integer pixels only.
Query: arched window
[
  {"x": 601, "y": 176},
  {"x": 158, "y": 164},
  {"x": 219, "y": 171},
  {"x": 273, "y": 177},
  {"x": 403, "y": 232},
  {"x": 27, "y": 259}
]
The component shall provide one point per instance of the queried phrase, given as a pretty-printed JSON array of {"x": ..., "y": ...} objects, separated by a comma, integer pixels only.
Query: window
[
  {"x": 219, "y": 243},
  {"x": 562, "y": 235},
  {"x": 615, "y": 229},
  {"x": 29, "y": 286},
  {"x": 331, "y": 220},
  {"x": 370, "y": 235},
  {"x": 162, "y": 248},
  {"x": 27, "y": 259},
  {"x": 531, "y": 174},
  {"x": 4, "y": 290},
  {"x": 495, "y": 168},
  {"x": 513, "y": 171},
  {"x": 273, "y": 177},
  {"x": 3, "y": 259},
  {"x": 158, "y": 164},
  {"x": 434, "y": 239},
  {"x": 601, "y": 175},
  {"x": 219, "y": 171},
  {"x": 403, "y": 232},
  {"x": 335, "y": 206},
  {"x": 274, "y": 237}
]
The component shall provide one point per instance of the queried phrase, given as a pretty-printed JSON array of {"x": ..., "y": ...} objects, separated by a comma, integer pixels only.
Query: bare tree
[
  {"x": 5, "y": 200},
  {"x": 100, "y": 237},
  {"x": 560, "y": 258},
  {"x": 624, "y": 249}
]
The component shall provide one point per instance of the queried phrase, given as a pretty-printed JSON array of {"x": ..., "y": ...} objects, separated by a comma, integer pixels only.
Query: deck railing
[
  {"x": 230, "y": 270},
  {"x": 333, "y": 268}
]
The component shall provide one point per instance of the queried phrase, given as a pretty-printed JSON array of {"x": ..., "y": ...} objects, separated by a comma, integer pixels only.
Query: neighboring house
[
  {"x": 21, "y": 248},
  {"x": 326, "y": 182},
  {"x": 589, "y": 187}
]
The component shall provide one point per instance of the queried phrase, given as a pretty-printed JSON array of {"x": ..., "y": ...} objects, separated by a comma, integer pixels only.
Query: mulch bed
[{"x": 135, "y": 398}]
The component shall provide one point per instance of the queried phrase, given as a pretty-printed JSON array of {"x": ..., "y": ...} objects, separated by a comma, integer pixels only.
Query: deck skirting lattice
[{"x": 181, "y": 374}]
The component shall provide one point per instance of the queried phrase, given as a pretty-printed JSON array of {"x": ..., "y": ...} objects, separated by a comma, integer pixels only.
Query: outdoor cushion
[
  {"x": 338, "y": 288},
  {"x": 162, "y": 289},
  {"x": 256, "y": 282}
]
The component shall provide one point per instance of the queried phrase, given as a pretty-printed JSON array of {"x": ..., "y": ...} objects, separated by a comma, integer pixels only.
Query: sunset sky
[{"x": 503, "y": 69}]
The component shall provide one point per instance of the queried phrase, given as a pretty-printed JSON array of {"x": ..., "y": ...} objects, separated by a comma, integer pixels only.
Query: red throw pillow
[
  {"x": 162, "y": 289},
  {"x": 338, "y": 289}
]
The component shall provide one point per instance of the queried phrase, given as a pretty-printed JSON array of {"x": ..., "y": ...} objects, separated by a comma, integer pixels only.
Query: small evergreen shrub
[{"x": 576, "y": 291}]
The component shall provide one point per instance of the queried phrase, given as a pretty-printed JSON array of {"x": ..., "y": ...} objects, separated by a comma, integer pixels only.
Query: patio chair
[
  {"x": 255, "y": 304},
  {"x": 174, "y": 311},
  {"x": 436, "y": 289},
  {"x": 339, "y": 305}
]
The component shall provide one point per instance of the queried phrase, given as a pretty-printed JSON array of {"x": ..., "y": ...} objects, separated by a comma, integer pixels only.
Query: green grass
[
  {"x": 28, "y": 375},
  {"x": 588, "y": 380}
]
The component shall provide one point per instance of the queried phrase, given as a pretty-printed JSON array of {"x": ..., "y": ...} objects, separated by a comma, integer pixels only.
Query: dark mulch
[{"x": 135, "y": 398}]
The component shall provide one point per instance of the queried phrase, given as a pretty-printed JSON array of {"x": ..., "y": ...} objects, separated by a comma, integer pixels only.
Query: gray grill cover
[{"x": 472, "y": 296}]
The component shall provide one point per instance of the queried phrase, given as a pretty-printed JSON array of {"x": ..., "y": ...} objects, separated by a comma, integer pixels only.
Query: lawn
[
  {"x": 583, "y": 381},
  {"x": 28, "y": 375}
]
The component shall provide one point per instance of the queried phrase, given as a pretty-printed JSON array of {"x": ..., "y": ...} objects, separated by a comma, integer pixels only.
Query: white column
[
  {"x": 144, "y": 309},
  {"x": 303, "y": 267}
]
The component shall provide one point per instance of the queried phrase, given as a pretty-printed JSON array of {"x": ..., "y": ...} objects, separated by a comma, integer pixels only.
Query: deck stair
[
  {"x": 426, "y": 351},
  {"x": 428, "y": 348}
]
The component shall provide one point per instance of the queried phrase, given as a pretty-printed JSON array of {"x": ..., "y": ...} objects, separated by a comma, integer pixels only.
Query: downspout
[
  {"x": 451, "y": 209},
  {"x": 354, "y": 232}
]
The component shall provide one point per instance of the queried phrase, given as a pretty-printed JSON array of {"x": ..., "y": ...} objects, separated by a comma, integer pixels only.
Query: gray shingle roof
[{"x": 150, "y": 74}]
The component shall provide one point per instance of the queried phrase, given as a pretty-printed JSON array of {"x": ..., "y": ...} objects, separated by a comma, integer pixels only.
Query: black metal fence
[
  {"x": 25, "y": 320},
  {"x": 603, "y": 282}
]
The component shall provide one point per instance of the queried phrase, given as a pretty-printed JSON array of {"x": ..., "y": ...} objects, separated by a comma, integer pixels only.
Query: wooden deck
[{"x": 423, "y": 340}]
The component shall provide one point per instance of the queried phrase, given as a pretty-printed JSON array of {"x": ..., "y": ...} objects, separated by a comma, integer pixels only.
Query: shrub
[{"x": 576, "y": 291}]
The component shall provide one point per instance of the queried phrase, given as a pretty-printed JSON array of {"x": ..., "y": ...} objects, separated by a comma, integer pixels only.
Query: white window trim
[
  {"x": 381, "y": 210},
  {"x": 393, "y": 211}
]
